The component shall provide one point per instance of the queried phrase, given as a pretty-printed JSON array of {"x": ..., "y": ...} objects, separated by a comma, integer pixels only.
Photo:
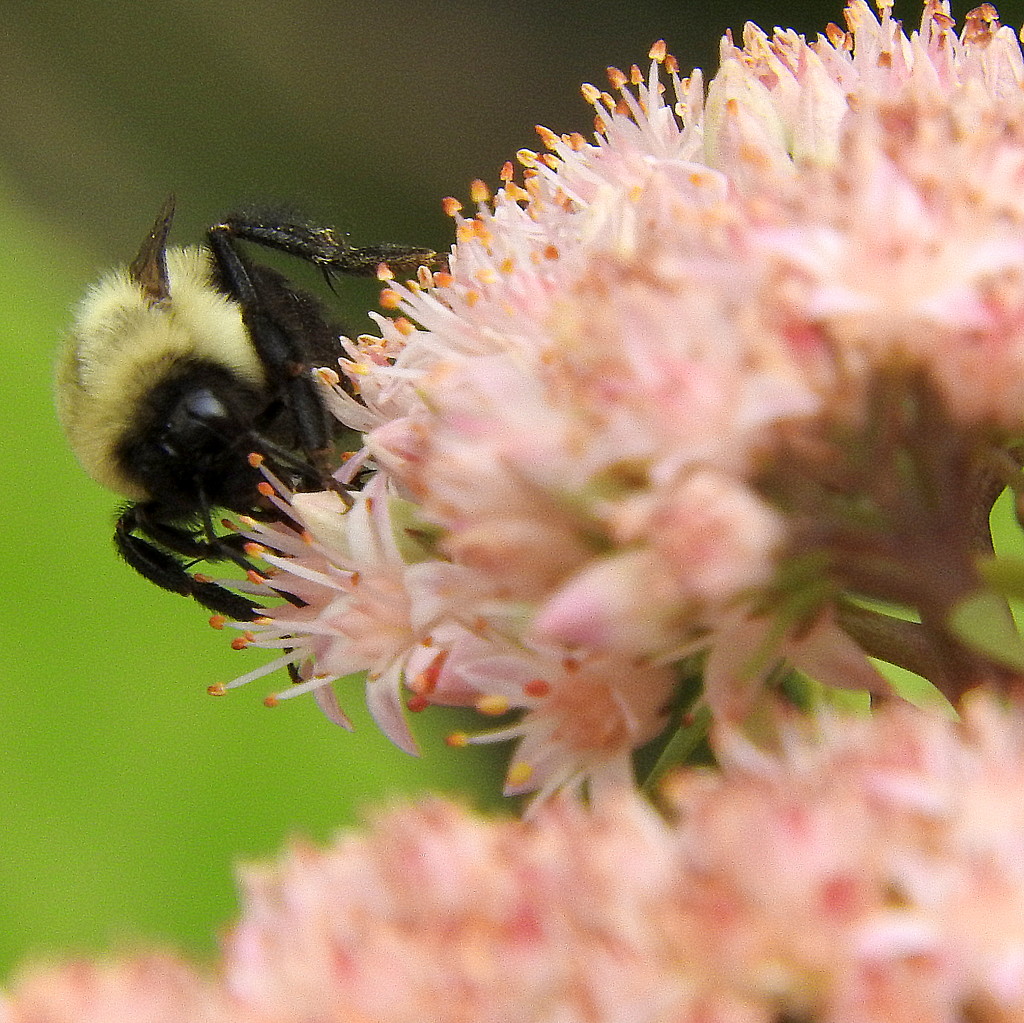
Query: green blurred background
[{"x": 127, "y": 792}]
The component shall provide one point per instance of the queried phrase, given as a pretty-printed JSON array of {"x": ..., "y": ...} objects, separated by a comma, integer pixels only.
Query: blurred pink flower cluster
[
  {"x": 871, "y": 870},
  {"x": 714, "y": 390}
]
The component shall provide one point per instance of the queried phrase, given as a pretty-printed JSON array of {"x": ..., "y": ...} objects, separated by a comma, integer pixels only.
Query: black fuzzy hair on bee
[{"x": 186, "y": 361}]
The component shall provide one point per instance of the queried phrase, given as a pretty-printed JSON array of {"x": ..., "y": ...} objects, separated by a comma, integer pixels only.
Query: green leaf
[
  {"x": 1004, "y": 575},
  {"x": 983, "y": 622},
  {"x": 687, "y": 738}
]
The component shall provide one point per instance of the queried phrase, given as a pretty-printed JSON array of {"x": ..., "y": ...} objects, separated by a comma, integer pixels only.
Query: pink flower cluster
[
  {"x": 872, "y": 870},
  {"x": 688, "y": 391}
]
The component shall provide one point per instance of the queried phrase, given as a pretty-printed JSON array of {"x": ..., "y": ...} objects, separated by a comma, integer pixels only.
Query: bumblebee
[{"x": 180, "y": 365}]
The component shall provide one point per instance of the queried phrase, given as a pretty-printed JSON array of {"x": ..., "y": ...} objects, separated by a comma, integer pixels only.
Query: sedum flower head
[
  {"x": 154, "y": 987},
  {"x": 704, "y": 389},
  {"x": 884, "y": 884},
  {"x": 868, "y": 870}
]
